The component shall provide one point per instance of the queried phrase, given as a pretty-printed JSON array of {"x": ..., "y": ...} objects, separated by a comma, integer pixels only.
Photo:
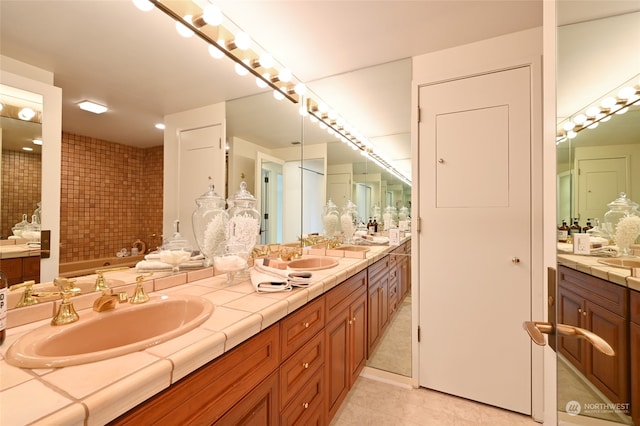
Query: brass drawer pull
[
  {"x": 305, "y": 364},
  {"x": 305, "y": 324},
  {"x": 305, "y": 405}
]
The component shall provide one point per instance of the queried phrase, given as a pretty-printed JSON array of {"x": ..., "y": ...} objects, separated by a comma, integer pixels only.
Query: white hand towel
[{"x": 268, "y": 283}]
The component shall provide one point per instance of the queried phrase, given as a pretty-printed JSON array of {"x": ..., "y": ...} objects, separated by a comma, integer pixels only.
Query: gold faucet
[
  {"x": 333, "y": 243},
  {"x": 101, "y": 284},
  {"x": 139, "y": 295},
  {"x": 109, "y": 301},
  {"x": 27, "y": 298},
  {"x": 66, "y": 313}
]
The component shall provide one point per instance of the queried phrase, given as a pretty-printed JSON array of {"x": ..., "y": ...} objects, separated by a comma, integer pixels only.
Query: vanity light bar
[
  {"x": 234, "y": 47},
  {"x": 345, "y": 133},
  {"x": 626, "y": 97}
]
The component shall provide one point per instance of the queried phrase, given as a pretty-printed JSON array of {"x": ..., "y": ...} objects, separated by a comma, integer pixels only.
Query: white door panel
[{"x": 475, "y": 242}]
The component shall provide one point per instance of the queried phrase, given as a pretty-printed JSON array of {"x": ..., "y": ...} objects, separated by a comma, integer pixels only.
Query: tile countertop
[
  {"x": 98, "y": 392},
  {"x": 590, "y": 265},
  {"x": 17, "y": 248}
]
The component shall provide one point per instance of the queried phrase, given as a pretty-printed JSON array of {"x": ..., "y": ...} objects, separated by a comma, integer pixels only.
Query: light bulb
[
  {"x": 322, "y": 125},
  {"x": 333, "y": 114},
  {"x": 615, "y": 107},
  {"x": 622, "y": 110},
  {"x": 608, "y": 102},
  {"x": 260, "y": 82},
  {"x": 215, "y": 52},
  {"x": 26, "y": 114},
  {"x": 266, "y": 60},
  {"x": 626, "y": 92},
  {"x": 569, "y": 125},
  {"x": 303, "y": 111},
  {"x": 331, "y": 131},
  {"x": 143, "y": 5},
  {"x": 242, "y": 41},
  {"x": 278, "y": 95},
  {"x": 571, "y": 134},
  {"x": 605, "y": 119},
  {"x": 579, "y": 119},
  {"x": 313, "y": 118},
  {"x": 182, "y": 29},
  {"x": 37, "y": 141},
  {"x": 322, "y": 107},
  {"x": 285, "y": 75},
  {"x": 240, "y": 70},
  {"x": 300, "y": 89},
  {"x": 212, "y": 15},
  {"x": 593, "y": 111},
  {"x": 593, "y": 125}
]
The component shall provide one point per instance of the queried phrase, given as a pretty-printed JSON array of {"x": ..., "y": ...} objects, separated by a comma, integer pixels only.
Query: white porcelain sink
[{"x": 101, "y": 335}]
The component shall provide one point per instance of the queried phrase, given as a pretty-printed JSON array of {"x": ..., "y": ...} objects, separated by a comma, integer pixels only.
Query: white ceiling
[{"x": 134, "y": 62}]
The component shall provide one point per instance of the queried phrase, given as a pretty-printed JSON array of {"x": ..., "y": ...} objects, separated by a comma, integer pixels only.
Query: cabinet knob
[
  {"x": 305, "y": 405},
  {"x": 305, "y": 324},
  {"x": 515, "y": 260},
  {"x": 305, "y": 364},
  {"x": 440, "y": 160},
  {"x": 354, "y": 319},
  {"x": 350, "y": 322}
]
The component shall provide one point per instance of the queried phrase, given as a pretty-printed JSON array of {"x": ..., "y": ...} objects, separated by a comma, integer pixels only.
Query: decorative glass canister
[
  {"x": 618, "y": 209},
  {"x": 330, "y": 219},
  {"x": 389, "y": 217},
  {"x": 348, "y": 221},
  {"x": 375, "y": 213},
  {"x": 244, "y": 219},
  {"x": 210, "y": 221}
]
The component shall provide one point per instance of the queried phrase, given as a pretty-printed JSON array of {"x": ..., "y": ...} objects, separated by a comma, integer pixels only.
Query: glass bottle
[
  {"x": 563, "y": 232},
  {"x": 575, "y": 228},
  {"x": 618, "y": 208},
  {"x": 348, "y": 221},
  {"x": 244, "y": 219},
  {"x": 330, "y": 219},
  {"x": 210, "y": 222}
]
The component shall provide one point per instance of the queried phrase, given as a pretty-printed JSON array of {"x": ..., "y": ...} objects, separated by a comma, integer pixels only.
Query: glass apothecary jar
[
  {"x": 389, "y": 217},
  {"x": 618, "y": 209},
  {"x": 330, "y": 219},
  {"x": 210, "y": 222},
  {"x": 348, "y": 221},
  {"x": 244, "y": 219}
]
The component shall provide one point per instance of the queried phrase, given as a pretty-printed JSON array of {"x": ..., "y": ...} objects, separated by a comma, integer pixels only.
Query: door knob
[
  {"x": 515, "y": 259},
  {"x": 536, "y": 329}
]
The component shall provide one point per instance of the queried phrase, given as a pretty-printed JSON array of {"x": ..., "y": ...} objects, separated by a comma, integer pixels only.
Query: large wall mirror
[{"x": 597, "y": 56}]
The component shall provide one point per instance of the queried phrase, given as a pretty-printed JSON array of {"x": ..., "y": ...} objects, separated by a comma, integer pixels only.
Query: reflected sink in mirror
[
  {"x": 97, "y": 336},
  {"x": 352, "y": 248},
  {"x": 631, "y": 264},
  {"x": 312, "y": 263}
]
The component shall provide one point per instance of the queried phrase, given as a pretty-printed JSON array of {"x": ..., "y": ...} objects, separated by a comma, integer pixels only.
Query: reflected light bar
[{"x": 92, "y": 107}]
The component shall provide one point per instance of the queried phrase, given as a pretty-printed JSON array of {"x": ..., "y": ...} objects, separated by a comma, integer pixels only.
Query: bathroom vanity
[
  {"x": 276, "y": 358},
  {"x": 19, "y": 261},
  {"x": 606, "y": 301}
]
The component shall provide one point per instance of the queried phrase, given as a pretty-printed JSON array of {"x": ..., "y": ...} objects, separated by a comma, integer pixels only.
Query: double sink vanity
[
  {"x": 596, "y": 295},
  {"x": 201, "y": 351}
]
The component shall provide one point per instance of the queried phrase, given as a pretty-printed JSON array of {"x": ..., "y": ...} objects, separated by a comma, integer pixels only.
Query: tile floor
[{"x": 371, "y": 402}]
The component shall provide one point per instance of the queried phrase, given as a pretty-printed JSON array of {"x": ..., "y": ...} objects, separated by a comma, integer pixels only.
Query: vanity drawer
[
  {"x": 341, "y": 296},
  {"x": 297, "y": 370},
  {"x": 306, "y": 406},
  {"x": 635, "y": 306},
  {"x": 606, "y": 294},
  {"x": 378, "y": 269},
  {"x": 300, "y": 326}
]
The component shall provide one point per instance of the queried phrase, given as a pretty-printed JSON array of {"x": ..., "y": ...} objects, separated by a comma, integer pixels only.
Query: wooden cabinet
[
  {"x": 21, "y": 269},
  {"x": 634, "y": 334},
  {"x": 206, "y": 395},
  {"x": 601, "y": 307},
  {"x": 378, "y": 300},
  {"x": 345, "y": 338},
  {"x": 259, "y": 407}
]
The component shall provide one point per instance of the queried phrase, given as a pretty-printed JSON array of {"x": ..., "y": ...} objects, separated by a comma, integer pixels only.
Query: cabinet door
[
  {"x": 337, "y": 361},
  {"x": 357, "y": 337},
  {"x": 384, "y": 303},
  {"x": 609, "y": 373},
  {"x": 635, "y": 372},
  {"x": 13, "y": 269},
  {"x": 259, "y": 407},
  {"x": 374, "y": 318},
  {"x": 570, "y": 312}
]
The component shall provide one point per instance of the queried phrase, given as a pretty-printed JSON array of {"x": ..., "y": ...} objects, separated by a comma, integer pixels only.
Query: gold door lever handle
[{"x": 537, "y": 328}]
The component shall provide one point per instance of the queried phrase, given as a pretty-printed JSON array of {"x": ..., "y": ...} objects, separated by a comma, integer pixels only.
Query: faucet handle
[
  {"x": 66, "y": 313},
  {"x": 27, "y": 298},
  {"x": 139, "y": 295},
  {"x": 101, "y": 284}
]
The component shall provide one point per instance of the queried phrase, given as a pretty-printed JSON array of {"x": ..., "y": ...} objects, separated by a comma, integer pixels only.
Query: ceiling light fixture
[
  {"x": 224, "y": 38},
  {"x": 160, "y": 126},
  {"x": 37, "y": 142},
  {"x": 92, "y": 107},
  {"x": 625, "y": 96}
]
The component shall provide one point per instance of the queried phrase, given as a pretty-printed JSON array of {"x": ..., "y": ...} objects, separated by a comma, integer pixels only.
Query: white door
[
  {"x": 201, "y": 162},
  {"x": 339, "y": 188},
  {"x": 600, "y": 181},
  {"x": 475, "y": 242}
]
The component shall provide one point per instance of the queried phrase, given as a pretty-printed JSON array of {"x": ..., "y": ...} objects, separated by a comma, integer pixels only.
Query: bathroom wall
[
  {"x": 21, "y": 183},
  {"x": 111, "y": 195}
]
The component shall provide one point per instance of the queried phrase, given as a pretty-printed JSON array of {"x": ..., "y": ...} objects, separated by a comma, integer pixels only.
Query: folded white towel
[
  {"x": 266, "y": 278},
  {"x": 267, "y": 283},
  {"x": 152, "y": 265}
]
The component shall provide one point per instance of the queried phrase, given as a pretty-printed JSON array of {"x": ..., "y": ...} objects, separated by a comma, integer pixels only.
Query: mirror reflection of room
[{"x": 597, "y": 194}]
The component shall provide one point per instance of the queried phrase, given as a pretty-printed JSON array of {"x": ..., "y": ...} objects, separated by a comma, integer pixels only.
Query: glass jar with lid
[
  {"x": 244, "y": 219},
  {"x": 618, "y": 209},
  {"x": 210, "y": 221},
  {"x": 348, "y": 221},
  {"x": 330, "y": 219}
]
